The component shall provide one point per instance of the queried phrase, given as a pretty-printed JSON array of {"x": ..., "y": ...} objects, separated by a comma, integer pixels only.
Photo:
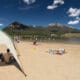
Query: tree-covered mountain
[
  {"x": 29, "y": 31},
  {"x": 15, "y": 26}
]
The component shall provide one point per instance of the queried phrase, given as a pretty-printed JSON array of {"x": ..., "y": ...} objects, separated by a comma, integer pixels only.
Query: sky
[{"x": 40, "y": 12}]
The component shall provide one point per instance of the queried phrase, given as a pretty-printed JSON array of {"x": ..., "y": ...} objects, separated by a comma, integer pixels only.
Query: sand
[{"x": 38, "y": 64}]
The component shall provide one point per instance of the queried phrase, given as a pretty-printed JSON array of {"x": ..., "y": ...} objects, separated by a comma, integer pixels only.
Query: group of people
[
  {"x": 7, "y": 57},
  {"x": 16, "y": 39},
  {"x": 59, "y": 51}
]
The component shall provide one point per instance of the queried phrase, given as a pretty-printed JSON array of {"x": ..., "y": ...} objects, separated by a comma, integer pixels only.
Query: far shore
[{"x": 54, "y": 41}]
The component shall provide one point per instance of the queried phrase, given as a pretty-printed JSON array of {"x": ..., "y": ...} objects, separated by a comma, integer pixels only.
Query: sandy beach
[{"x": 38, "y": 64}]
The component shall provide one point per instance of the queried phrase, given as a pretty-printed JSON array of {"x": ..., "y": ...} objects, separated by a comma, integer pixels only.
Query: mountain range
[{"x": 17, "y": 28}]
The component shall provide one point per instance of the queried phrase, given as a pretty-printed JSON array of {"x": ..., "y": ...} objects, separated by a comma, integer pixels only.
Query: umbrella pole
[{"x": 21, "y": 68}]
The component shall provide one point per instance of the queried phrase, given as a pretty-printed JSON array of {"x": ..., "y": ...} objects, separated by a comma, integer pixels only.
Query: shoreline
[{"x": 52, "y": 41}]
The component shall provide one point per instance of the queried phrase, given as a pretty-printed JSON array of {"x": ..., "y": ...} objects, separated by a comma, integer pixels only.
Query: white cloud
[
  {"x": 55, "y": 4},
  {"x": 74, "y": 12},
  {"x": 58, "y": 2},
  {"x": 52, "y": 7},
  {"x": 29, "y": 1},
  {"x": 73, "y": 22},
  {"x": 78, "y": 18},
  {"x": 1, "y": 24}
]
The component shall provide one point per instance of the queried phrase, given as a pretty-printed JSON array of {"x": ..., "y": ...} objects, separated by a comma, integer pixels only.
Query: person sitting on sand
[
  {"x": 60, "y": 51},
  {"x": 8, "y": 57}
]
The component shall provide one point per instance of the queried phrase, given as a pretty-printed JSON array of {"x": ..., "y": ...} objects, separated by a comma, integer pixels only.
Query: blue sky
[{"x": 40, "y": 12}]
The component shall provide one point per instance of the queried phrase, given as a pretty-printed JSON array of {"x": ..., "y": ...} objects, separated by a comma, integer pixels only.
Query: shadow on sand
[{"x": 14, "y": 64}]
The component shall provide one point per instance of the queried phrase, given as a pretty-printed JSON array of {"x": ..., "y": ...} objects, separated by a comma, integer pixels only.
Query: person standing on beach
[{"x": 34, "y": 43}]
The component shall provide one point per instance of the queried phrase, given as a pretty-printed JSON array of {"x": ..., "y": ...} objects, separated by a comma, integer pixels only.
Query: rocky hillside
[{"x": 16, "y": 26}]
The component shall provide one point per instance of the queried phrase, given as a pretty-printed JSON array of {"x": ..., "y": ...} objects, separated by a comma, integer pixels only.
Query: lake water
[
  {"x": 70, "y": 40},
  {"x": 74, "y": 40}
]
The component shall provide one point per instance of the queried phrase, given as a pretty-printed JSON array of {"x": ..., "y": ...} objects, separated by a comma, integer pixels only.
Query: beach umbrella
[{"x": 6, "y": 40}]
